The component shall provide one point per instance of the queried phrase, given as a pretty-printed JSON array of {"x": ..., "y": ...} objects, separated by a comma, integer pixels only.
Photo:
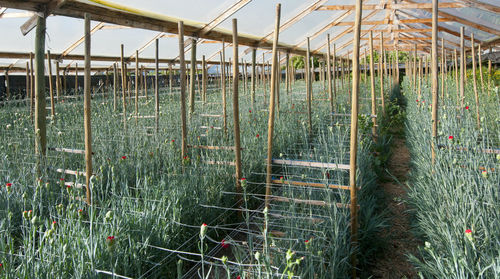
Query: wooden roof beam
[{"x": 389, "y": 6}]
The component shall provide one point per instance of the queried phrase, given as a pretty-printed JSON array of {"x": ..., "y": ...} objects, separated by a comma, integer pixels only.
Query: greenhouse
[{"x": 249, "y": 139}]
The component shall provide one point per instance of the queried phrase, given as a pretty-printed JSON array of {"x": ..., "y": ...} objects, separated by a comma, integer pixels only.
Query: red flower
[
  {"x": 468, "y": 231},
  {"x": 250, "y": 111},
  {"x": 450, "y": 137},
  {"x": 80, "y": 210},
  {"x": 68, "y": 186},
  {"x": 111, "y": 238},
  {"x": 110, "y": 241},
  {"x": 257, "y": 136},
  {"x": 8, "y": 184},
  {"x": 224, "y": 244},
  {"x": 417, "y": 100},
  {"x": 124, "y": 157},
  {"x": 307, "y": 241},
  {"x": 466, "y": 107},
  {"x": 173, "y": 140},
  {"x": 54, "y": 222},
  {"x": 62, "y": 179},
  {"x": 186, "y": 157},
  {"x": 238, "y": 277},
  {"x": 243, "y": 178}
]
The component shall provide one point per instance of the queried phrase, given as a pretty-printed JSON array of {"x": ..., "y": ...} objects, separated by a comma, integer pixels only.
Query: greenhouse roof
[{"x": 137, "y": 24}]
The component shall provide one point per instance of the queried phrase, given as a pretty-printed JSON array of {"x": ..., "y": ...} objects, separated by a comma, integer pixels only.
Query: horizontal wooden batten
[
  {"x": 74, "y": 185},
  {"x": 209, "y": 147},
  {"x": 211, "y": 115},
  {"x": 219, "y": 163},
  {"x": 71, "y": 172},
  {"x": 310, "y": 184},
  {"x": 404, "y": 6},
  {"x": 67, "y": 150},
  {"x": 211, "y": 127},
  {"x": 309, "y": 202},
  {"x": 310, "y": 164}
]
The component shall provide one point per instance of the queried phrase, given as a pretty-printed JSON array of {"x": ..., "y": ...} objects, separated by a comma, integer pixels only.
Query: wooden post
[
  {"x": 88, "y": 128},
  {"x": 354, "y": 136},
  {"x": 419, "y": 89},
  {"x": 223, "y": 78},
  {"x": 435, "y": 82},
  {"x": 58, "y": 82},
  {"x": 264, "y": 84},
  {"x": 443, "y": 66},
  {"x": 381, "y": 59},
  {"x": 308, "y": 86},
  {"x": 462, "y": 68},
  {"x": 65, "y": 81},
  {"x": 76, "y": 79},
  {"x": 32, "y": 87},
  {"x": 40, "y": 112},
  {"x": 124, "y": 88},
  {"x": 157, "y": 86},
  {"x": 136, "y": 85},
  {"x": 170, "y": 77},
  {"x": 192, "y": 79},
  {"x": 236, "y": 109},
  {"x": 372, "y": 85},
  {"x": 287, "y": 73},
  {"x": 204, "y": 79},
  {"x": 146, "y": 84},
  {"x": 457, "y": 89},
  {"x": 480, "y": 67},
  {"x": 328, "y": 71},
  {"x": 474, "y": 80},
  {"x": 490, "y": 74},
  {"x": 115, "y": 80},
  {"x": 51, "y": 88},
  {"x": 7, "y": 85},
  {"x": 254, "y": 74},
  {"x": 334, "y": 78},
  {"x": 397, "y": 66},
  {"x": 414, "y": 71},
  {"x": 270, "y": 125},
  {"x": 182, "y": 67}
]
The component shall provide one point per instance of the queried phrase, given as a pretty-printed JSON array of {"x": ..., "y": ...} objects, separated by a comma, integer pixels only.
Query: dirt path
[{"x": 393, "y": 262}]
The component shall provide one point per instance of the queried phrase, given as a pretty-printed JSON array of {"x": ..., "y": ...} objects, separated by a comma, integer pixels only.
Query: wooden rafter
[{"x": 390, "y": 6}]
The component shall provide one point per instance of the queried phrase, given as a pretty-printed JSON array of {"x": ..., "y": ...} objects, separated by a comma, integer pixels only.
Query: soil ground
[{"x": 393, "y": 263}]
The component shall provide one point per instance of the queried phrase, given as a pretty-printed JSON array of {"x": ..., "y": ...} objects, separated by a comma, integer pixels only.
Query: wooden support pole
[
  {"x": 435, "y": 82},
  {"x": 87, "y": 123},
  {"x": 192, "y": 79},
  {"x": 157, "y": 85},
  {"x": 51, "y": 88},
  {"x": 28, "y": 89},
  {"x": 236, "y": 109},
  {"x": 124, "y": 88},
  {"x": 32, "y": 87},
  {"x": 136, "y": 84},
  {"x": 462, "y": 67},
  {"x": 372, "y": 86},
  {"x": 490, "y": 74},
  {"x": 334, "y": 78},
  {"x": 328, "y": 72},
  {"x": 170, "y": 77},
  {"x": 40, "y": 112},
  {"x": 419, "y": 87},
  {"x": 354, "y": 136},
  {"x": 223, "y": 78},
  {"x": 457, "y": 84},
  {"x": 308, "y": 87},
  {"x": 474, "y": 80},
  {"x": 182, "y": 70},
  {"x": 254, "y": 74},
  {"x": 443, "y": 67},
  {"x": 58, "y": 81},
  {"x": 76, "y": 79},
  {"x": 287, "y": 72},
  {"x": 204, "y": 79},
  {"x": 270, "y": 126},
  {"x": 115, "y": 81},
  {"x": 414, "y": 71},
  {"x": 7, "y": 85},
  {"x": 480, "y": 64},
  {"x": 397, "y": 66},
  {"x": 381, "y": 59}
]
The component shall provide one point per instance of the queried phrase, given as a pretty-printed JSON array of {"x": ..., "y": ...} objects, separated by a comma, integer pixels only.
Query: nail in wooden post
[
  {"x": 354, "y": 136},
  {"x": 124, "y": 88},
  {"x": 182, "y": 67},
  {"x": 51, "y": 88},
  {"x": 236, "y": 109},
  {"x": 40, "y": 112},
  {"x": 254, "y": 74},
  {"x": 204, "y": 79},
  {"x": 192, "y": 79},
  {"x": 474, "y": 80},
  {"x": 87, "y": 123},
  {"x": 372, "y": 85},
  {"x": 462, "y": 67},
  {"x": 308, "y": 86},
  {"x": 270, "y": 126},
  {"x": 328, "y": 71},
  {"x": 136, "y": 85},
  {"x": 435, "y": 82},
  {"x": 157, "y": 85}
]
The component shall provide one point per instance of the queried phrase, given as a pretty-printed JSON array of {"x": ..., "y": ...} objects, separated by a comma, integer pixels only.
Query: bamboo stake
[
  {"x": 462, "y": 67},
  {"x": 365, "y": 67},
  {"x": 51, "y": 88},
  {"x": 489, "y": 77},
  {"x": 136, "y": 85},
  {"x": 287, "y": 73},
  {"x": 40, "y": 113},
  {"x": 414, "y": 71},
  {"x": 236, "y": 109},
  {"x": 372, "y": 85},
  {"x": 157, "y": 85},
  {"x": 270, "y": 126},
  {"x": 204, "y": 78},
  {"x": 419, "y": 90},
  {"x": 474, "y": 80},
  {"x": 182, "y": 67},
  {"x": 170, "y": 77},
  {"x": 397, "y": 66},
  {"x": 354, "y": 136},
  {"x": 435, "y": 82},
  {"x": 87, "y": 123},
  {"x": 124, "y": 88},
  {"x": 192, "y": 80},
  {"x": 328, "y": 71},
  {"x": 309, "y": 87},
  {"x": 65, "y": 82}
]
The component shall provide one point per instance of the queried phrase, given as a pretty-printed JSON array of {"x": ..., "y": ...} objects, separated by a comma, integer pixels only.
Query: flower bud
[{"x": 203, "y": 230}]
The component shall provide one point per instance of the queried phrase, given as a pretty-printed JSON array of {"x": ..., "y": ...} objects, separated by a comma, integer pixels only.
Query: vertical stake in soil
[
  {"x": 435, "y": 83},
  {"x": 157, "y": 86},
  {"x": 236, "y": 109},
  {"x": 328, "y": 71},
  {"x": 182, "y": 67},
  {"x": 40, "y": 113},
  {"x": 192, "y": 79},
  {"x": 354, "y": 136},
  {"x": 136, "y": 85},
  {"x": 309, "y": 86},
  {"x": 254, "y": 74},
  {"x": 115, "y": 81},
  {"x": 124, "y": 88},
  {"x": 381, "y": 59},
  {"x": 86, "y": 108},
  {"x": 58, "y": 81},
  {"x": 204, "y": 79},
  {"x": 270, "y": 125},
  {"x": 51, "y": 88},
  {"x": 372, "y": 85},
  {"x": 223, "y": 79},
  {"x": 7, "y": 85},
  {"x": 462, "y": 67},
  {"x": 170, "y": 78},
  {"x": 474, "y": 80},
  {"x": 32, "y": 87}
]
